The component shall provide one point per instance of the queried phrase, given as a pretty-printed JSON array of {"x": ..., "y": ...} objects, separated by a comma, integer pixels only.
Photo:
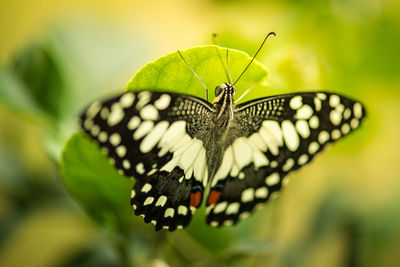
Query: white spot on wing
[
  {"x": 92, "y": 111},
  {"x": 144, "y": 98},
  {"x": 182, "y": 210},
  {"x": 95, "y": 130},
  {"x": 274, "y": 164},
  {"x": 140, "y": 168},
  {"x": 354, "y": 123},
  {"x": 290, "y": 135},
  {"x": 288, "y": 165},
  {"x": 104, "y": 113},
  {"x": 345, "y": 128},
  {"x": 334, "y": 100},
  {"x": 225, "y": 166},
  {"x": 259, "y": 159},
  {"x": 323, "y": 137},
  {"x": 190, "y": 153},
  {"x": 126, "y": 164},
  {"x": 357, "y": 109},
  {"x": 88, "y": 124},
  {"x": 235, "y": 170},
  {"x": 153, "y": 137},
  {"x": 304, "y": 112},
  {"x": 242, "y": 152},
  {"x": 180, "y": 144},
  {"x": 257, "y": 141},
  {"x": 127, "y": 100},
  {"x": 163, "y": 102},
  {"x": 233, "y": 208},
  {"x": 149, "y": 112},
  {"x": 176, "y": 130},
  {"x": 313, "y": 148},
  {"x": 314, "y": 122},
  {"x": 335, "y": 117},
  {"x": 115, "y": 139},
  {"x": 317, "y": 103},
  {"x": 244, "y": 215},
  {"x": 214, "y": 223},
  {"x": 121, "y": 151},
  {"x": 302, "y": 159},
  {"x": 161, "y": 201},
  {"x": 346, "y": 113},
  {"x": 274, "y": 128},
  {"x": 302, "y": 128},
  {"x": 148, "y": 201},
  {"x": 143, "y": 129},
  {"x": 103, "y": 137},
  {"x": 270, "y": 140},
  {"x": 321, "y": 96},
  {"x": 336, "y": 134},
  {"x": 169, "y": 212},
  {"x": 295, "y": 102},
  {"x": 146, "y": 188},
  {"x": 272, "y": 179},
  {"x": 220, "y": 207},
  {"x": 247, "y": 195},
  {"x": 134, "y": 123},
  {"x": 116, "y": 115},
  {"x": 151, "y": 172},
  {"x": 261, "y": 192},
  {"x": 200, "y": 166}
]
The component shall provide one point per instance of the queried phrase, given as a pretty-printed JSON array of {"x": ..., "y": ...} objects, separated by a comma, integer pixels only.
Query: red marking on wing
[
  {"x": 214, "y": 197},
  {"x": 195, "y": 199}
]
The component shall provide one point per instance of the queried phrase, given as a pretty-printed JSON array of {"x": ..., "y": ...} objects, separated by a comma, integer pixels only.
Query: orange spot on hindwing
[
  {"x": 195, "y": 199},
  {"x": 214, "y": 197}
]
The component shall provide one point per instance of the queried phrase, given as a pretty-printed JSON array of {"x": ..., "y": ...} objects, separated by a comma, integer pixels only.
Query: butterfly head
[{"x": 223, "y": 93}]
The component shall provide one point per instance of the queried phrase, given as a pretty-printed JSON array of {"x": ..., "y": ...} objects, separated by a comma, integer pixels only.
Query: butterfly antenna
[
  {"x": 227, "y": 66},
  {"x": 194, "y": 73},
  {"x": 248, "y": 65},
  {"x": 227, "y": 74},
  {"x": 245, "y": 93}
]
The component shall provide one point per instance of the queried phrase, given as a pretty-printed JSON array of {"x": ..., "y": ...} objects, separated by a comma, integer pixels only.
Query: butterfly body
[{"x": 180, "y": 147}]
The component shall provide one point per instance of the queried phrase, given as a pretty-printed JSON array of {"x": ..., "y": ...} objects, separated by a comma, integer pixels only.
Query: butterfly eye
[{"x": 219, "y": 89}]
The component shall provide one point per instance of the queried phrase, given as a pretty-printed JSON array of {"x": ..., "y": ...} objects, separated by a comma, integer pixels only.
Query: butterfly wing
[
  {"x": 155, "y": 138},
  {"x": 277, "y": 136}
]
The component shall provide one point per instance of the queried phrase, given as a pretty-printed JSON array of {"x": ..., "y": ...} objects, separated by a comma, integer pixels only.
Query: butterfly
[{"x": 178, "y": 147}]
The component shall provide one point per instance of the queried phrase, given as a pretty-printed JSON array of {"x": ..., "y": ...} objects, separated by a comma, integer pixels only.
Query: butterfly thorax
[{"x": 220, "y": 126}]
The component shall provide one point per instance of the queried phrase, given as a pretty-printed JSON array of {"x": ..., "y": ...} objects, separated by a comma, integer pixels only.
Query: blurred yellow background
[{"x": 341, "y": 210}]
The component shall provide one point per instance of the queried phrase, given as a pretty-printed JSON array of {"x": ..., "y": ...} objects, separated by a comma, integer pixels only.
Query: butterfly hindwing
[
  {"x": 150, "y": 136},
  {"x": 277, "y": 135}
]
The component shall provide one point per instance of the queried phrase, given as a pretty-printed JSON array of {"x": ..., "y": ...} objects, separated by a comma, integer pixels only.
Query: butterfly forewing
[
  {"x": 155, "y": 137},
  {"x": 274, "y": 136}
]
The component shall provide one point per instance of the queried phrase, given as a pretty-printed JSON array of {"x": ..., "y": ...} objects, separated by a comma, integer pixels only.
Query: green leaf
[
  {"x": 13, "y": 94},
  {"x": 169, "y": 73},
  {"x": 39, "y": 71},
  {"x": 95, "y": 183}
]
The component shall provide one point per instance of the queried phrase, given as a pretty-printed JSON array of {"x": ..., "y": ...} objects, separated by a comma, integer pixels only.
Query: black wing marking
[
  {"x": 275, "y": 136},
  {"x": 152, "y": 136}
]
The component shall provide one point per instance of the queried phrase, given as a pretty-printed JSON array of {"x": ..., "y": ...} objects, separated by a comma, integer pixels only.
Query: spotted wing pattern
[
  {"x": 155, "y": 138},
  {"x": 275, "y": 135}
]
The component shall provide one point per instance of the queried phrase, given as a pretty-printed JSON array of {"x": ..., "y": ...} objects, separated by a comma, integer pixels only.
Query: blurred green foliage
[{"x": 342, "y": 210}]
